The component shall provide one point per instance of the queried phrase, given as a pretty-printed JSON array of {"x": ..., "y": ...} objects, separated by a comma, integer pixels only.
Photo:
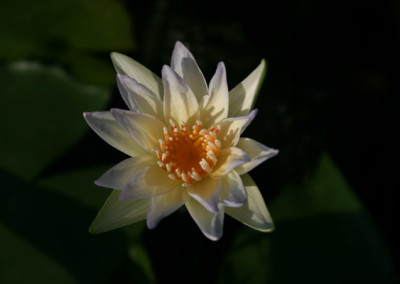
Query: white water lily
[{"x": 183, "y": 140}]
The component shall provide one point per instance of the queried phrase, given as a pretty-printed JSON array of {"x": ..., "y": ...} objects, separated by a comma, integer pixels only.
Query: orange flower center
[{"x": 189, "y": 155}]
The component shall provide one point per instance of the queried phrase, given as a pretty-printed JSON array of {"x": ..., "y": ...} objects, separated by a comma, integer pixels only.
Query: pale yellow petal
[
  {"x": 139, "y": 98},
  {"x": 211, "y": 224},
  {"x": 148, "y": 182},
  {"x": 180, "y": 104},
  {"x": 229, "y": 159},
  {"x": 231, "y": 128},
  {"x": 233, "y": 193},
  {"x": 257, "y": 152},
  {"x": 117, "y": 177},
  {"x": 214, "y": 108},
  {"x": 104, "y": 124},
  {"x": 127, "y": 66},
  {"x": 145, "y": 129},
  {"x": 116, "y": 213},
  {"x": 184, "y": 64},
  {"x": 254, "y": 212},
  {"x": 207, "y": 192},
  {"x": 242, "y": 97},
  {"x": 164, "y": 205}
]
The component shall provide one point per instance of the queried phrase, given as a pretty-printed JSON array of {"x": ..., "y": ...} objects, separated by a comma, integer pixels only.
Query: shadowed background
[{"x": 328, "y": 103}]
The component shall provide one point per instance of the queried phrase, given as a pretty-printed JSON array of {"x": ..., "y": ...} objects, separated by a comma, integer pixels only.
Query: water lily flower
[{"x": 182, "y": 137}]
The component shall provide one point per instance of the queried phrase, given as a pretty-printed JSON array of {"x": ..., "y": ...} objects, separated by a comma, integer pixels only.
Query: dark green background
[{"x": 329, "y": 103}]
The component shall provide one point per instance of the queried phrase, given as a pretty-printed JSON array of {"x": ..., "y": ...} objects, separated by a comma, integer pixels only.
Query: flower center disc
[
  {"x": 186, "y": 153},
  {"x": 189, "y": 156}
]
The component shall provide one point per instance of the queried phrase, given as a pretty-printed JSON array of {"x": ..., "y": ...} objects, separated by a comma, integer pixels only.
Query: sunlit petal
[
  {"x": 253, "y": 213},
  {"x": 231, "y": 128},
  {"x": 116, "y": 213},
  {"x": 145, "y": 129},
  {"x": 228, "y": 159},
  {"x": 139, "y": 98},
  {"x": 233, "y": 193},
  {"x": 180, "y": 104},
  {"x": 214, "y": 107},
  {"x": 104, "y": 124},
  {"x": 242, "y": 97},
  {"x": 163, "y": 205},
  {"x": 210, "y": 223},
  {"x": 148, "y": 182},
  {"x": 207, "y": 192},
  {"x": 184, "y": 64},
  {"x": 127, "y": 66},
  {"x": 118, "y": 176},
  {"x": 257, "y": 152}
]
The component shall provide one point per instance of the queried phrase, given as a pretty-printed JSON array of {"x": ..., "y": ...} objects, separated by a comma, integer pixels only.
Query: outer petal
[
  {"x": 242, "y": 97},
  {"x": 253, "y": 213},
  {"x": 184, "y": 64},
  {"x": 207, "y": 192},
  {"x": 104, "y": 124},
  {"x": 228, "y": 159},
  {"x": 257, "y": 152},
  {"x": 211, "y": 224},
  {"x": 164, "y": 205},
  {"x": 233, "y": 193},
  {"x": 127, "y": 66},
  {"x": 215, "y": 106},
  {"x": 139, "y": 98},
  {"x": 145, "y": 129},
  {"x": 231, "y": 128},
  {"x": 116, "y": 213},
  {"x": 118, "y": 176},
  {"x": 148, "y": 182},
  {"x": 180, "y": 104}
]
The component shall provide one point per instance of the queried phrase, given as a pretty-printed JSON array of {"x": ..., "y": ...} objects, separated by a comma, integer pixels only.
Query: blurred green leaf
[
  {"x": 89, "y": 68},
  {"x": 249, "y": 259},
  {"x": 323, "y": 235},
  {"x": 138, "y": 254},
  {"x": 57, "y": 226},
  {"x": 326, "y": 191},
  {"x": 41, "y": 115},
  {"x": 78, "y": 35},
  {"x": 140, "y": 257},
  {"x": 20, "y": 262},
  {"x": 79, "y": 184},
  {"x": 35, "y": 28}
]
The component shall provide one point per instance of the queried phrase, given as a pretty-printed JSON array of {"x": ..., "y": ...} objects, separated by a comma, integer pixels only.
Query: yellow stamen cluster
[{"x": 188, "y": 155}]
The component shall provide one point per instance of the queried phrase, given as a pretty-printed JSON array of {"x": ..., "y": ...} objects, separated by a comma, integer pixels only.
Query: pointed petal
[
  {"x": 184, "y": 64},
  {"x": 231, "y": 128},
  {"x": 253, "y": 213},
  {"x": 180, "y": 104},
  {"x": 116, "y": 213},
  {"x": 127, "y": 66},
  {"x": 104, "y": 124},
  {"x": 118, "y": 176},
  {"x": 207, "y": 192},
  {"x": 233, "y": 193},
  {"x": 243, "y": 96},
  {"x": 139, "y": 98},
  {"x": 257, "y": 152},
  {"x": 215, "y": 106},
  {"x": 228, "y": 159},
  {"x": 145, "y": 129},
  {"x": 211, "y": 224},
  {"x": 164, "y": 205},
  {"x": 148, "y": 182}
]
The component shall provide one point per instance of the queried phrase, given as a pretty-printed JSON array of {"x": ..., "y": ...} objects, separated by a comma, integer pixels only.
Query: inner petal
[{"x": 188, "y": 155}]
